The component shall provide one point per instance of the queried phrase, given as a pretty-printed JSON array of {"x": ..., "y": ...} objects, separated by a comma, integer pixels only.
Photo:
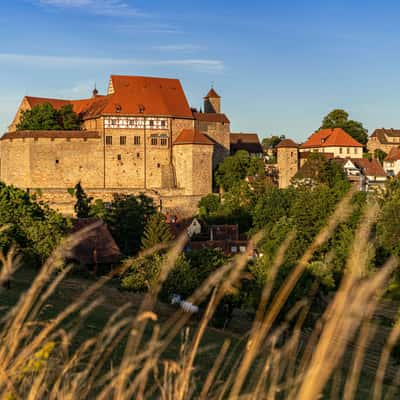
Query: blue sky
[{"x": 279, "y": 66}]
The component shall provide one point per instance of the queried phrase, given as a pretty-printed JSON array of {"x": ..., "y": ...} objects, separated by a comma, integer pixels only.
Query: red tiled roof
[
  {"x": 138, "y": 95},
  {"x": 133, "y": 95},
  {"x": 192, "y": 136},
  {"x": 369, "y": 167},
  {"x": 212, "y": 94},
  {"x": 394, "y": 154},
  {"x": 289, "y": 143},
  {"x": 52, "y": 134},
  {"x": 211, "y": 117},
  {"x": 330, "y": 138}
]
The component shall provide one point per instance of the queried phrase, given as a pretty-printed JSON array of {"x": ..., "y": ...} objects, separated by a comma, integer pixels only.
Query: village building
[
  {"x": 391, "y": 163},
  {"x": 383, "y": 139},
  {"x": 246, "y": 141},
  {"x": 333, "y": 144},
  {"x": 141, "y": 137}
]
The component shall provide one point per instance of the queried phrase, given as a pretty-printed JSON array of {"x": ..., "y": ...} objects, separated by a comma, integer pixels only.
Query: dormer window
[
  {"x": 118, "y": 108},
  {"x": 141, "y": 108}
]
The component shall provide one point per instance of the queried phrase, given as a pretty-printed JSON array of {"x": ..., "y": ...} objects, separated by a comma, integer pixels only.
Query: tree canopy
[
  {"x": 157, "y": 231},
  {"x": 235, "y": 168},
  {"x": 272, "y": 141},
  {"x": 82, "y": 205},
  {"x": 46, "y": 117},
  {"x": 340, "y": 119}
]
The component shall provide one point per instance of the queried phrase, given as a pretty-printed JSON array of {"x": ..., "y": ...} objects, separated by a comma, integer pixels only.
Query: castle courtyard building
[{"x": 142, "y": 137}]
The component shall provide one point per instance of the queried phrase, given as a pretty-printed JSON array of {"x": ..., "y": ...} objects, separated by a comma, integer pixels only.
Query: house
[
  {"x": 335, "y": 141},
  {"x": 368, "y": 174},
  {"x": 246, "y": 141},
  {"x": 391, "y": 164},
  {"x": 383, "y": 139}
]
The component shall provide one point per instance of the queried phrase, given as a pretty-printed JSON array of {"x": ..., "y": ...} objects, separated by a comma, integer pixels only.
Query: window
[
  {"x": 158, "y": 165},
  {"x": 108, "y": 139},
  {"x": 122, "y": 140},
  {"x": 136, "y": 140},
  {"x": 138, "y": 155},
  {"x": 114, "y": 122},
  {"x": 151, "y": 123},
  {"x": 119, "y": 158},
  {"x": 68, "y": 139},
  {"x": 355, "y": 150},
  {"x": 163, "y": 124},
  {"x": 163, "y": 141},
  {"x": 348, "y": 150},
  {"x": 340, "y": 150},
  {"x": 154, "y": 140},
  {"x": 85, "y": 139},
  {"x": 57, "y": 161}
]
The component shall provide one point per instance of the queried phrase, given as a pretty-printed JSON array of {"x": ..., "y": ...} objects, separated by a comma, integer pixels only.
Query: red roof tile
[
  {"x": 369, "y": 167},
  {"x": 192, "y": 136},
  {"x": 211, "y": 117},
  {"x": 52, "y": 134},
  {"x": 133, "y": 95},
  {"x": 394, "y": 154},
  {"x": 289, "y": 143},
  {"x": 212, "y": 94},
  {"x": 138, "y": 95},
  {"x": 330, "y": 138}
]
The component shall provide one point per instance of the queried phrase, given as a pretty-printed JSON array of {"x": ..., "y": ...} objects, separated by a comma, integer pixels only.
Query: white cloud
[
  {"x": 178, "y": 47},
  {"x": 110, "y": 8},
  {"x": 46, "y": 62}
]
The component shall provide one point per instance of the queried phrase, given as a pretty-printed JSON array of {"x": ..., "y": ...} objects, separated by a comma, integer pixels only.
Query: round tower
[
  {"x": 212, "y": 102},
  {"x": 288, "y": 161}
]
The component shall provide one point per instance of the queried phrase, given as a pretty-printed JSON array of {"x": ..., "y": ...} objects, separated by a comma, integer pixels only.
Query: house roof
[
  {"x": 131, "y": 95},
  {"x": 193, "y": 136},
  {"x": 394, "y": 154},
  {"x": 212, "y": 94},
  {"x": 211, "y": 117},
  {"x": 139, "y": 95},
  {"x": 335, "y": 137},
  {"x": 289, "y": 143},
  {"x": 96, "y": 245},
  {"x": 369, "y": 167},
  {"x": 245, "y": 141},
  {"x": 52, "y": 135},
  {"x": 381, "y": 134}
]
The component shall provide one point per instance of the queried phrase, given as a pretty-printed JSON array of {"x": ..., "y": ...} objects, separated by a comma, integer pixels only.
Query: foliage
[
  {"x": 340, "y": 119},
  {"x": 235, "y": 168},
  {"x": 46, "y": 117},
  {"x": 126, "y": 217},
  {"x": 157, "y": 231},
  {"x": 142, "y": 274},
  {"x": 388, "y": 227},
  {"x": 208, "y": 205},
  {"x": 380, "y": 155},
  {"x": 272, "y": 141},
  {"x": 33, "y": 226},
  {"x": 82, "y": 205},
  {"x": 318, "y": 169}
]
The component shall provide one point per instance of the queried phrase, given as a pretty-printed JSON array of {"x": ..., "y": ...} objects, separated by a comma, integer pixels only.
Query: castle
[{"x": 142, "y": 137}]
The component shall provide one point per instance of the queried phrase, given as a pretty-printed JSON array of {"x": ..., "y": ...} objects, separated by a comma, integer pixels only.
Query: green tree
[
  {"x": 157, "y": 231},
  {"x": 40, "y": 117},
  {"x": 46, "y": 117},
  {"x": 272, "y": 141},
  {"x": 235, "y": 168},
  {"x": 209, "y": 205},
  {"x": 33, "y": 226},
  {"x": 380, "y": 155},
  {"x": 82, "y": 205},
  {"x": 340, "y": 119},
  {"x": 69, "y": 119},
  {"x": 126, "y": 216}
]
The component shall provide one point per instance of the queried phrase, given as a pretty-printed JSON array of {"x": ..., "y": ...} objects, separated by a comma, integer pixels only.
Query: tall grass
[{"x": 38, "y": 358}]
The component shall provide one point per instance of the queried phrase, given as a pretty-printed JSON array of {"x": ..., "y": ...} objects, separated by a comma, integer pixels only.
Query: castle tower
[
  {"x": 288, "y": 161},
  {"x": 212, "y": 102}
]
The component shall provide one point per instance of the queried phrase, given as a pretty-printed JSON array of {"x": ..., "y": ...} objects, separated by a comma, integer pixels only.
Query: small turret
[
  {"x": 95, "y": 91},
  {"x": 212, "y": 102}
]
